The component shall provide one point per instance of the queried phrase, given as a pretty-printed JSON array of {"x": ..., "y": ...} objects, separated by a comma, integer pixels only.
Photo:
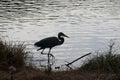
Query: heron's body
[{"x": 50, "y": 42}]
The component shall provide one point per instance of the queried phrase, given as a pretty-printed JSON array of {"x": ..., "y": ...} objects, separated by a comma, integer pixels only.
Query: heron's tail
[{"x": 37, "y": 44}]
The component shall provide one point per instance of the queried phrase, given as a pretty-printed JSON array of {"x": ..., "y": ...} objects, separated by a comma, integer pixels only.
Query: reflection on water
[{"x": 89, "y": 23}]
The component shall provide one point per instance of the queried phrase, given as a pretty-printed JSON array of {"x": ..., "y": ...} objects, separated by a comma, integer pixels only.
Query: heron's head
[{"x": 61, "y": 34}]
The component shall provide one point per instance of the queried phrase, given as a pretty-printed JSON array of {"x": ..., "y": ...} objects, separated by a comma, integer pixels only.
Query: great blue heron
[{"x": 50, "y": 42}]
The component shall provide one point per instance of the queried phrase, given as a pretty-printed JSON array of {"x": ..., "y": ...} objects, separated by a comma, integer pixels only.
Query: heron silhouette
[{"x": 50, "y": 42}]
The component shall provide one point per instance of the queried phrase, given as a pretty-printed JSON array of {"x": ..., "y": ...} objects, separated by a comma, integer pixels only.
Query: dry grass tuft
[
  {"x": 104, "y": 62},
  {"x": 12, "y": 54}
]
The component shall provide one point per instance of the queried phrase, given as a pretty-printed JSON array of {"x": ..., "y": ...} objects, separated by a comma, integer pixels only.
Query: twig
[{"x": 69, "y": 63}]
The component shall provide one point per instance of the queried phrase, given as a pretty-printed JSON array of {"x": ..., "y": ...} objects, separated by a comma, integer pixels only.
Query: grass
[
  {"x": 12, "y": 54},
  {"x": 102, "y": 66},
  {"x": 32, "y": 74},
  {"x": 104, "y": 62}
]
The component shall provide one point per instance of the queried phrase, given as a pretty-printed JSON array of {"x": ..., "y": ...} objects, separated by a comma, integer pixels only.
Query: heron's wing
[
  {"x": 50, "y": 41},
  {"x": 47, "y": 42}
]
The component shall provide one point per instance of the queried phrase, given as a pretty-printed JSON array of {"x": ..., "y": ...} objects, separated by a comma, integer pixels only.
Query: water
[{"x": 90, "y": 24}]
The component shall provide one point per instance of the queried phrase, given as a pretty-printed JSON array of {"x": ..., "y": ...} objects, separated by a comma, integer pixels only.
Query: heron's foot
[
  {"x": 38, "y": 49},
  {"x": 43, "y": 53},
  {"x": 52, "y": 55}
]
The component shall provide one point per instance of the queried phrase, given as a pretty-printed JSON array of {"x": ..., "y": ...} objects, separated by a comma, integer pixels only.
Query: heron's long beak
[{"x": 66, "y": 36}]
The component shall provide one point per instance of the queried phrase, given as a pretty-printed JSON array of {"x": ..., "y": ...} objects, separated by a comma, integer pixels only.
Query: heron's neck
[{"x": 61, "y": 40}]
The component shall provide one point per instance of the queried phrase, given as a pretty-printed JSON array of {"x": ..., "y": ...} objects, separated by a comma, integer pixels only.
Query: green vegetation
[{"x": 103, "y": 66}]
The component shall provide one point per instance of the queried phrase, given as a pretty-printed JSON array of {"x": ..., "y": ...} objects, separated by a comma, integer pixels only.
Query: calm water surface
[{"x": 90, "y": 24}]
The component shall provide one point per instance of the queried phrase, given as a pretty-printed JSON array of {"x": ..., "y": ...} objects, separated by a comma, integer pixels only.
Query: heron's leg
[
  {"x": 50, "y": 55},
  {"x": 42, "y": 51},
  {"x": 49, "y": 51},
  {"x": 49, "y": 65}
]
